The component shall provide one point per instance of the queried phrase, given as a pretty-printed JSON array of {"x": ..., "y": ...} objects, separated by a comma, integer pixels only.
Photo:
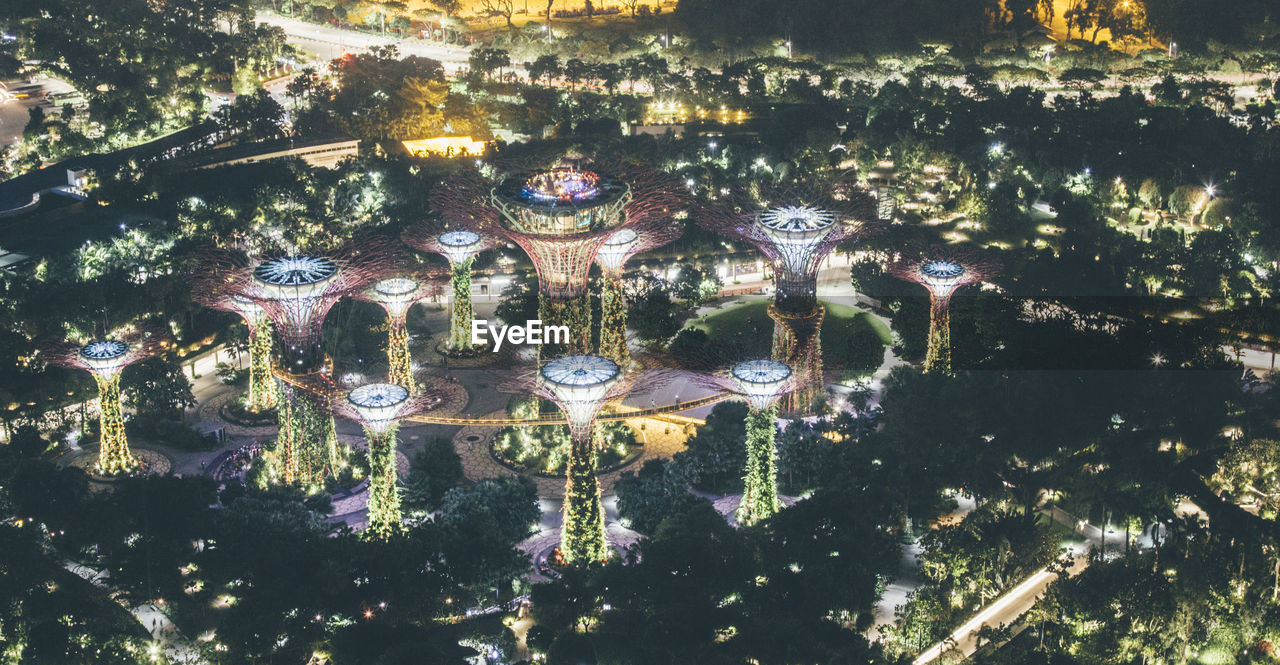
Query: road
[
  {"x": 1009, "y": 608},
  {"x": 328, "y": 42},
  {"x": 14, "y": 113}
]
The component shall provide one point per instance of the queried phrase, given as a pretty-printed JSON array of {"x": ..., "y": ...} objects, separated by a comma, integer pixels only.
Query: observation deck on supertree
[
  {"x": 579, "y": 385},
  {"x": 761, "y": 384},
  {"x": 796, "y": 228},
  {"x": 105, "y": 359},
  {"x": 379, "y": 407},
  {"x": 561, "y": 217},
  {"x": 943, "y": 270},
  {"x": 396, "y": 294},
  {"x": 215, "y": 295},
  {"x": 460, "y": 247},
  {"x": 613, "y": 255}
]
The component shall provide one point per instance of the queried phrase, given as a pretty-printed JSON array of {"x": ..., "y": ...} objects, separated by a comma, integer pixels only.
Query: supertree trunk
[
  {"x": 574, "y": 314},
  {"x": 288, "y": 435},
  {"x": 114, "y": 457},
  {"x": 613, "y": 319},
  {"x": 760, "y": 490},
  {"x": 463, "y": 311},
  {"x": 262, "y": 385},
  {"x": 384, "y": 496},
  {"x": 582, "y": 536},
  {"x": 307, "y": 443},
  {"x": 399, "y": 361},
  {"x": 797, "y": 341},
  {"x": 938, "y": 356}
]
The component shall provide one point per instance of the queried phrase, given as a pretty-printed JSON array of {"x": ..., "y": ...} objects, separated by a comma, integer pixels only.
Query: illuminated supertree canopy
[
  {"x": 105, "y": 359},
  {"x": 215, "y": 295},
  {"x": 379, "y": 407},
  {"x": 396, "y": 294},
  {"x": 796, "y": 227},
  {"x": 943, "y": 270},
  {"x": 460, "y": 246},
  {"x": 761, "y": 384},
  {"x": 296, "y": 291},
  {"x": 579, "y": 385},
  {"x": 561, "y": 217},
  {"x": 617, "y": 249}
]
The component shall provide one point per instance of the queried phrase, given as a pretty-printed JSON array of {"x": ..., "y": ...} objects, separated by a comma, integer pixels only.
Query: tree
[
  {"x": 658, "y": 491},
  {"x": 157, "y": 388},
  {"x": 503, "y": 8},
  {"x": 252, "y": 118},
  {"x": 653, "y": 315},
  {"x": 544, "y": 66},
  {"x": 436, "y": 469},
  {"x": 489, "y": 61},
  {"x": 507, "y": 506}
]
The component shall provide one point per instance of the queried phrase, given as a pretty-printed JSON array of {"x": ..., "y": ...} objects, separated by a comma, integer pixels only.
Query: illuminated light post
[
  {"x": 561, "y": 217},
  {"x": 105, "y": 359},
  {"x": 262, "y": 389},
  {"x": 379, "y": 407},
  {"x": 396, "y": 295},
  {"x": 942, "y": 271},
  {"x": 460, "y": 247},
  {"x": 612, "y": 257},
  {"x": 579, "y": 385},
  {"x": 296, "y": 292},
  {"x": 796, "y": 229},
  {"x": 761, "y": 384}
]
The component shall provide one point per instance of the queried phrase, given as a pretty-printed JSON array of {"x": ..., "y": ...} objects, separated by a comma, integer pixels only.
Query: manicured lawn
[{"x": 747, "y": 326}]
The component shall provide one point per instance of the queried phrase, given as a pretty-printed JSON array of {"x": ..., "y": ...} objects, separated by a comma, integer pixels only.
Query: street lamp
[{"x": 788, "y": 49}]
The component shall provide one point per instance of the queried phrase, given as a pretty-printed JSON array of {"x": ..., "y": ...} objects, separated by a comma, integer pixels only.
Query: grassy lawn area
[{"x": 747, "y": 326}]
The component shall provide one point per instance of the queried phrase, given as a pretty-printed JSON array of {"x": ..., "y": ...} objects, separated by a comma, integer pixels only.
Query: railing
[{"x": 320, "y": 383}]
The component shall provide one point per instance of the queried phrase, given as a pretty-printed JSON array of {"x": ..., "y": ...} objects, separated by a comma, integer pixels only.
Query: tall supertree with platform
[
  {"x": 105, "y": 359},
  {"x": 612, "y": 257},
  {"x": 460, "y": 247},
  {"x": 397, "y": 293},
  {"x": 296, "y": 292},
  {"x": 942, "y": 270},
  {"x": 579, "y": 385},
  {"x": 796, "y": 228},
  {"x": 379, "y": 407},
  {"x": 561, "y": 216},
  {"x": 761, "y": 384},
  {"x": 215, "y": 295}
]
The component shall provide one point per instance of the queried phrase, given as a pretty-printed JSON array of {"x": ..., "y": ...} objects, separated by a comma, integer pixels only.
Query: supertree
[
  {"x": 215, "y": 295},
  {"x": 942, "y": 270},
  {"x": 105, "y": 359},
  {"x": 396, "y": 294},
  {"x": 579, "y": 385},
  {"x": 296, "y": 291},
  {"x": 460, "y": 247},
  {"x": 796, "y": 227},
  {"x": 561, "y": 216},
  {"x": 612, "y": 256},
  {"x": 378, "y": 407},
  {"x": 761, "y": 384}
]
